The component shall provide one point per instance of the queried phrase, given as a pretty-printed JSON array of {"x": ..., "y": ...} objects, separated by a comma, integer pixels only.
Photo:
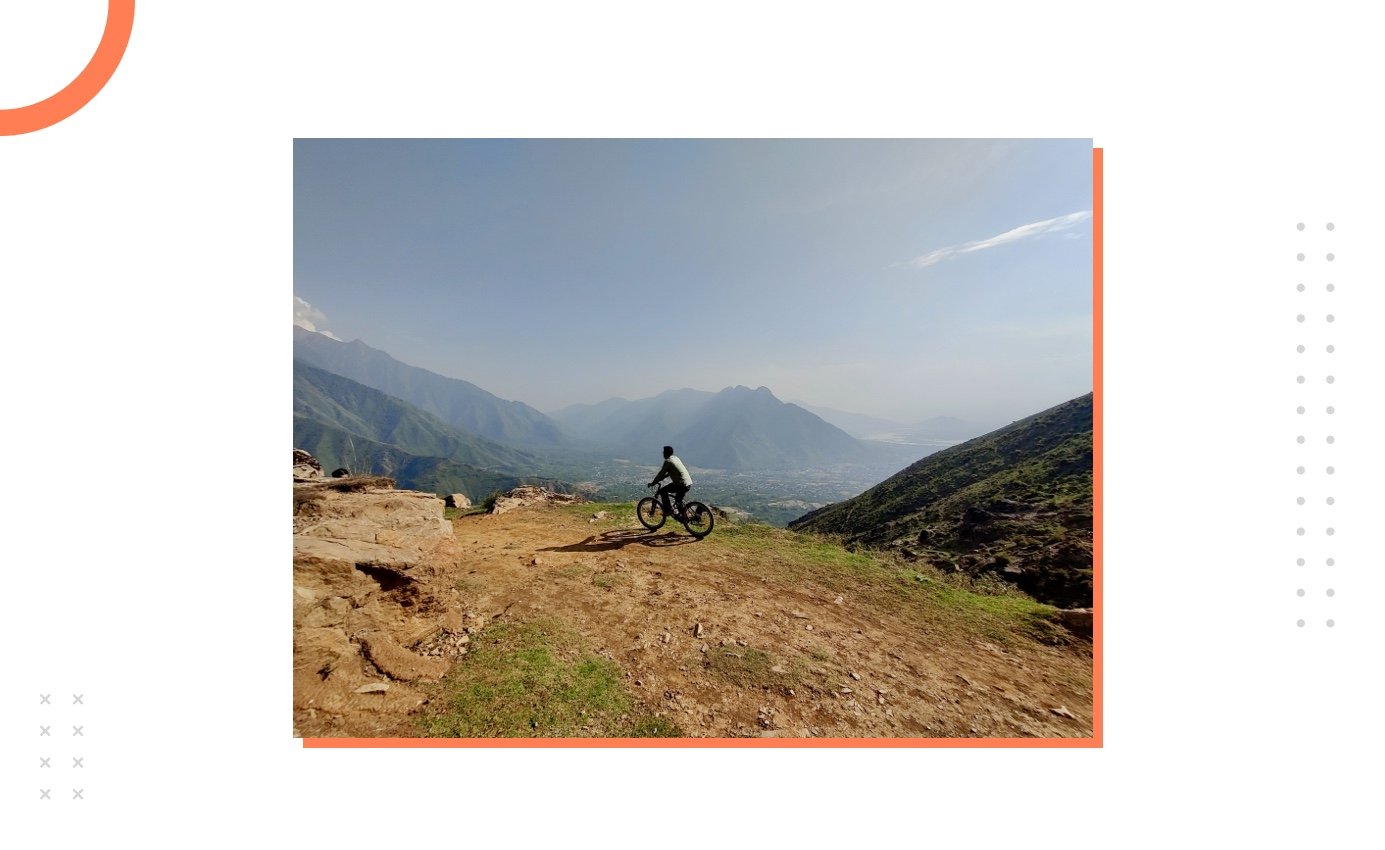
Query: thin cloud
[
  {"x": 1024, "y": 231},
  {"x": 308, "y": 317}
]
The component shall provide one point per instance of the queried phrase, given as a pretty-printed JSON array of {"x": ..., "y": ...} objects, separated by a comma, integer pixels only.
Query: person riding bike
[{"x": 679, "y": 482}]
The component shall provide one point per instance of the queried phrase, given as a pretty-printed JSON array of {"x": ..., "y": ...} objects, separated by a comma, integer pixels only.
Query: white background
[{"x": 145, "y": 257}]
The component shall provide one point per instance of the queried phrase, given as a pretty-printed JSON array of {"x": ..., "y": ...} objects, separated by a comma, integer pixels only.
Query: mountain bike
[{"x": 697, "y": 518}]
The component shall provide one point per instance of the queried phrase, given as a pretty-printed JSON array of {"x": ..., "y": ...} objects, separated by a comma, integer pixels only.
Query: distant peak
[{"x": 743, "y": 390}]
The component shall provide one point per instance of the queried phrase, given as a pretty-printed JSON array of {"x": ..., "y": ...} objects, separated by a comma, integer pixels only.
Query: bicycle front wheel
[
  {"x": 650, "y": 513},
  {"x": 699, "y": 520}
]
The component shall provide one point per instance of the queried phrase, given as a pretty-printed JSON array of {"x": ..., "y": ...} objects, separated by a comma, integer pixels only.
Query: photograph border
[{"x": 1095, "y": 741}]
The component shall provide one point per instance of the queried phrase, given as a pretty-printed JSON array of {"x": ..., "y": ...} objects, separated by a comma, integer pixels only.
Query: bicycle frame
[{"x": 673, "y": 500}]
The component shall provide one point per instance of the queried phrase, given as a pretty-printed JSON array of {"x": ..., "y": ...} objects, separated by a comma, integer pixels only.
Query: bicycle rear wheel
[
  {"x": 650, "y": 513},
  {"x": 699, "y": 519}
]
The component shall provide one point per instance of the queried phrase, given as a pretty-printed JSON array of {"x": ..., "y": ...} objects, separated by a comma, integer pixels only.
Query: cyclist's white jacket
[{"x": 675, "y": 470}]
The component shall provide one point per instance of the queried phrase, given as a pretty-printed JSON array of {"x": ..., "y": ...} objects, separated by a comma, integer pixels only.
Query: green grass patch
[
  {"x": 1003, "y": 616},
  {"x": 617, "y": 513},
  {"x": 983, "y": 606},
  {"x": 536, "y": 680},
  {"x": 748, "y": 667},
  {"x": 450, "y": 514},
  {"x": 796, "y": 555}
]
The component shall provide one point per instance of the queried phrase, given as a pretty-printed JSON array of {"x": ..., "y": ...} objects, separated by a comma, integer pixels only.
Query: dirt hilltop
[{"x": 407, "y": 623}]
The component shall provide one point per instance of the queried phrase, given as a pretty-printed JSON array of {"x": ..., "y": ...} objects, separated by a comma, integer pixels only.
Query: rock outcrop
[
  {"x": 372, "y": 583},
  {"x": 527, "y": 496}
]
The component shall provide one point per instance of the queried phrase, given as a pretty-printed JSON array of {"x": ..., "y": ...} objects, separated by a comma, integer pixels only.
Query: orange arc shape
[{"x": 120, "y": 19}]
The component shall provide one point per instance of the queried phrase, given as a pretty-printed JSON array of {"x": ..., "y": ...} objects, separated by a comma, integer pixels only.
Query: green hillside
[
  {"x": 346, "y": 424},
  {"x": 334, "y": 447},
  {"x": 369, "y": 413},
  {"x": 1016, "y": 502}
]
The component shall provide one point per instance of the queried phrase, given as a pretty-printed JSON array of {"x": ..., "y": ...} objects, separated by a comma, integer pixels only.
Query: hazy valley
[
  {"x": 1013, "y": 505},
  {"x": 358, "y": 408}
]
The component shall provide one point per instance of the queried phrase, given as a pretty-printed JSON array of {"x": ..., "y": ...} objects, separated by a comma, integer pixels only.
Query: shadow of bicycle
[{"x": 619, "y": 539}]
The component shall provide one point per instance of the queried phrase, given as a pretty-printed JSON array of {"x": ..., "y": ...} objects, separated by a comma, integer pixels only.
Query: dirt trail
[{"x": 861, "y": 669}]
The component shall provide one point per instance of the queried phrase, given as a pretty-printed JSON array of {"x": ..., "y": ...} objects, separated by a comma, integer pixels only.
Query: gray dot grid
[
  {"x": 1301, "y": 410},
  {"x": 59, "y": 761}
]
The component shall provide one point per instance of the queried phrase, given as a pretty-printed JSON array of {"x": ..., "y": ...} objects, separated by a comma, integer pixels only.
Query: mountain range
[
  {"x": 737, "y": 429},
  {"x": 458, "y": 403},
  {"x": 357, "y": 409},
  {"x": 348, "y": 392},
  {"x": 349, "y": 425}
]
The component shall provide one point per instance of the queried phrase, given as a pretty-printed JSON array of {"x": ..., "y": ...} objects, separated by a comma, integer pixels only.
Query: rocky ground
[{"x": 724, "y": 637}]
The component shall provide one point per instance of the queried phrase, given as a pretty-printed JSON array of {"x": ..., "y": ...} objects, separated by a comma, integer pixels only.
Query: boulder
[
  {"x": 458, "y": 500},
  {"x": 305, "y": 466},
  {"x": 1076, "y": 620},
  {"x": 975, "y": 516}
]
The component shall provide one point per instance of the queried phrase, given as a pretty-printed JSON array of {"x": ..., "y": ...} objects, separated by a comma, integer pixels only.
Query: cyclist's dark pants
[{"x": 678, "y": 491}]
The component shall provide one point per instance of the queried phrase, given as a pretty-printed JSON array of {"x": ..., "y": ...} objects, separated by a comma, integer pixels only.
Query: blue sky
[{"x": 902, "y": 279}]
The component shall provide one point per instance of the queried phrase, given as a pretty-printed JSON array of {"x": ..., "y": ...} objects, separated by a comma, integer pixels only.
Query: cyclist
[{"x": 679, "y": 482}]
